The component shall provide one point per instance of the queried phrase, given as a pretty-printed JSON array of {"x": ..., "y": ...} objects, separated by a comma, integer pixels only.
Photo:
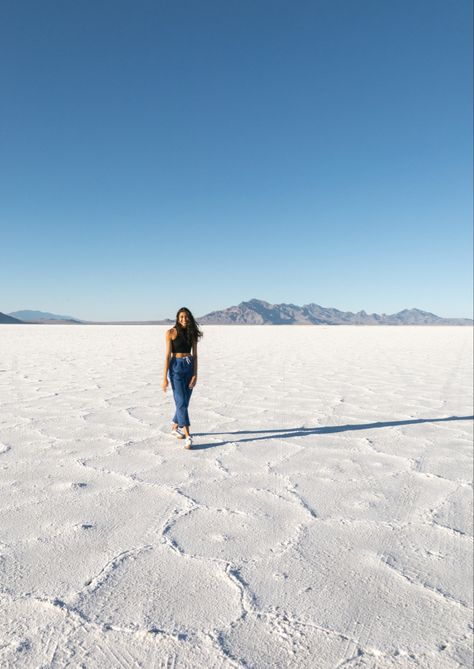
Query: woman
[{"x": 181, "y": 364}]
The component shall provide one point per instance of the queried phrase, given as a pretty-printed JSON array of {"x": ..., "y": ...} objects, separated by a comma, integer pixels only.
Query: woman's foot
[
  {"x": 176, "y": 433},
  {"x": 188, "y": 443}
]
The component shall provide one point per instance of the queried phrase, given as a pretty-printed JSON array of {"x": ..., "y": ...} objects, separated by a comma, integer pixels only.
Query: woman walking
[{"x": 181, "y": 364}]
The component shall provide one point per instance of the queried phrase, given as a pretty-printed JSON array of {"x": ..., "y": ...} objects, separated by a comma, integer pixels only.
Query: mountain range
[
  {"x": 259, "y": 312},
  {"x": 30, "y": 315}
]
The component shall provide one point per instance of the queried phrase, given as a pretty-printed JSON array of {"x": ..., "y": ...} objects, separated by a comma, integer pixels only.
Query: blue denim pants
[{"x": 181, "y": 371}]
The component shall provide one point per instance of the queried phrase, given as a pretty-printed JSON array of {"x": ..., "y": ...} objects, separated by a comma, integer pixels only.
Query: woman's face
[{"x": 183, "y": 319}]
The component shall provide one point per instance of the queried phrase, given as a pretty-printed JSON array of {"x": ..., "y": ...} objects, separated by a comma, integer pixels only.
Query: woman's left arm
[{"x": 193, "y": 381}]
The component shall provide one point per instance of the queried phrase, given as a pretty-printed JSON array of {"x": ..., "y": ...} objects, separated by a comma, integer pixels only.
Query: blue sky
[{"x": 157, "y": 154}]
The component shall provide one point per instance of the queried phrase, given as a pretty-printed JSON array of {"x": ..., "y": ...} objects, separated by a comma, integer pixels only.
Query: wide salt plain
[{"x": 323, "y": 520}]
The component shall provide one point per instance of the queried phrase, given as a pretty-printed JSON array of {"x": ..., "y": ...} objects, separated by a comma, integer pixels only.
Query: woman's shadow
[{"x": 287, "y": 433}]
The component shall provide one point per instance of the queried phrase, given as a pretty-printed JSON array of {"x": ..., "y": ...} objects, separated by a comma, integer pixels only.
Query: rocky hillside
[{"x": 4, "y": 318}]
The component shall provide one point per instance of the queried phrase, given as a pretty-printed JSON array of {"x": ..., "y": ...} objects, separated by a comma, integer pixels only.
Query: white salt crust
[{"x": 323, "y": 518}]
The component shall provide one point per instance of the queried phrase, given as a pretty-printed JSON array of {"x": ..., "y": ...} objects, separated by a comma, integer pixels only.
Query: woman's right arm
[{"x": 167, "y": 360}]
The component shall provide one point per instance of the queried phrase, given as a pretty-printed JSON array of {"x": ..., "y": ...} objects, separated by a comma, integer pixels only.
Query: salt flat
[{"x": 323, "y": 520}]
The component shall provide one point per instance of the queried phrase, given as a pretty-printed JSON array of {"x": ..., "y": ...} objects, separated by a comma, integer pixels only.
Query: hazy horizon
[{"x": 171, "y": 316}]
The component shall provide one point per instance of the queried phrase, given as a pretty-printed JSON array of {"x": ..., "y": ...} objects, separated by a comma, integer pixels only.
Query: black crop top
[{"x": 180, "y": 344}]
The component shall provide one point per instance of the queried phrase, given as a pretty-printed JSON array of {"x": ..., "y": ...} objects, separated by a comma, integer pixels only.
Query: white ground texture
[{"x": 323, "y": 519}]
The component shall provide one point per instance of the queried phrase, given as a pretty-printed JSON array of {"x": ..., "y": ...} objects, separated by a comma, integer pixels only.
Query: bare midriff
[{"x": 181, "y": 355}]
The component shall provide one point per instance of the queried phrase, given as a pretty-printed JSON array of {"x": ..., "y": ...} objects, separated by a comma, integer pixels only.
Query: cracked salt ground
[
  {"x": 260, "y": 513},
  {"x": 371, "y": 498},
  {"x": 338, "y": 576},
  {"x": 153, "y": 591},
  {"x": 40, "y": 633},
  {"x": 456, "y": 511},
  {"x": 46, "y": 551},
  {"x": 322, "y": 521},
  {"x": 44, "y": 478},
  {"x": 434, "y": 558},
  {"x": 440, "y": 461},
  {"x": 251, "y": 641},
  {"x": 144, "y": 462}
]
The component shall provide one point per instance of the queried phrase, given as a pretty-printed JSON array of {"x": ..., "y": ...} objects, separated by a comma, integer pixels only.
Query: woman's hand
[
  {"x": 193, "y": 382},
  {"x": 165, "y": 385}
]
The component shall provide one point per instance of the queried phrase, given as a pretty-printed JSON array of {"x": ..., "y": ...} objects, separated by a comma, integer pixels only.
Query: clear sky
[{"x": 155, "y": 154}]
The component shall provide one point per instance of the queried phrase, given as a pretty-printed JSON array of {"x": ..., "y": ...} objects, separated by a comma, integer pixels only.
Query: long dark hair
[{"x": 193, "y": 332}]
